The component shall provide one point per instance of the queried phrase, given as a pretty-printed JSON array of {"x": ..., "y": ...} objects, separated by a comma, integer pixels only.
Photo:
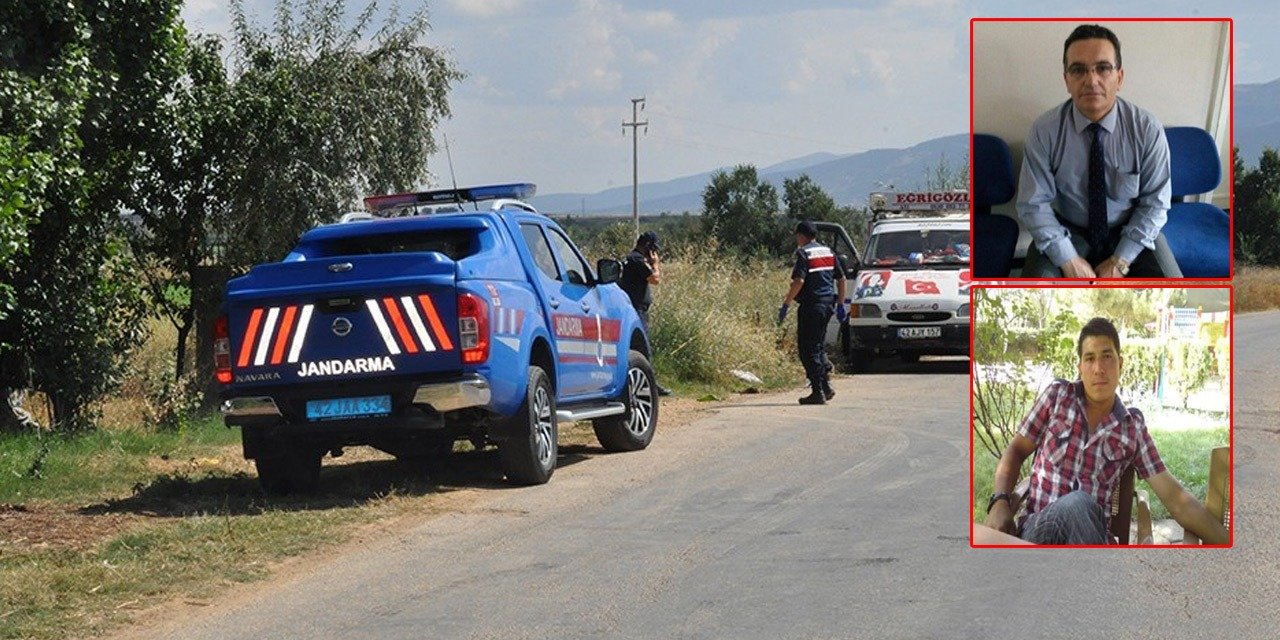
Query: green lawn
[
  {"x": 93, "y": 466},
  {"x": 1185, "y": 454}
]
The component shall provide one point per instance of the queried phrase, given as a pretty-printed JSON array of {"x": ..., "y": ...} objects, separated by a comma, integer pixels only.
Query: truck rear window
[{"x": 454, "y": 243}]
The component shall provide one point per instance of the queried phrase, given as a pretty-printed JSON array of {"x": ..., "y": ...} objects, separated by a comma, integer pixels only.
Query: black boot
[
  {"x": 816, "y": 397},
  {"x": 827, "y": 392}
]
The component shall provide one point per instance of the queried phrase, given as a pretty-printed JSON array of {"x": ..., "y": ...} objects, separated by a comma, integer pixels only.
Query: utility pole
[{"x": 637, "y": 105}]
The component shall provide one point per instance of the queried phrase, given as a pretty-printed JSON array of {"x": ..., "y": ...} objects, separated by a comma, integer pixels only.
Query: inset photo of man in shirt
[
  {"x": 1101, "y": 416},
  {"x": 1119, "y": 177}
]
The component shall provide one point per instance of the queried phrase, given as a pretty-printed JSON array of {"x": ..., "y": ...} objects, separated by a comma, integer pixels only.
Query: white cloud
[{"x": 484, "y": 8}]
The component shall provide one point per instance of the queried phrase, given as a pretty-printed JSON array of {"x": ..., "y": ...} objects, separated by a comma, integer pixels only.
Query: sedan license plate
[
  {"x": 336, "y": 408},
  {"x": 919, "y": 332}
]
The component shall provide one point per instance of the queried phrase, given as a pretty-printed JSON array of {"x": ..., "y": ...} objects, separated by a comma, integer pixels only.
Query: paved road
[{"x": 771, "y": 520}]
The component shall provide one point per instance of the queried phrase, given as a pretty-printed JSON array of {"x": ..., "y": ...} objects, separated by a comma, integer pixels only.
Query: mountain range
[
  {"x": 849, "y": 178},
  {"x": 1257, "y": 119}
]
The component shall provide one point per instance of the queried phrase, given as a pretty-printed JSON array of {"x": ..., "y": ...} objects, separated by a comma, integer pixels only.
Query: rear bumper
[
  {"x": 471, "y": 391},
  {"x": 440, "y": 397},
  {"x": 953, "y": 341}
]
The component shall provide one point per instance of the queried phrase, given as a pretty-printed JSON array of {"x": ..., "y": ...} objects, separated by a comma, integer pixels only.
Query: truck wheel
[
  {"x": 633, "y": 430},
  {"x": 530, "y": 457},
  {"x": 285, "y": 467},
  {"x": 859, "y": 360}
]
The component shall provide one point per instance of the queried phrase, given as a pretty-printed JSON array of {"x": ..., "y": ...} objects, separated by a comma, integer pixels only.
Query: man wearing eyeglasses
[{"x": 1094, "y": 190}]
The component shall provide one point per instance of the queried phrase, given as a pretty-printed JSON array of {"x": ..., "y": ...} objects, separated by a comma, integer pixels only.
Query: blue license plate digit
[{"x": 362, "y": 407}]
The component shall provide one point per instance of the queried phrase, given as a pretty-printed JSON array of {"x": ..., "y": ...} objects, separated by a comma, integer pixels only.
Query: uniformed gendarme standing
[{"x": 817, "y": 284}]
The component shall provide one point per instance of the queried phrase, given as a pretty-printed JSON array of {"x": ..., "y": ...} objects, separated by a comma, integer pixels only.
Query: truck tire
[
  {"x": 285, "y": 467},
  {"x": 529, "y": 458},
  {"x": 633, "y": 430}
]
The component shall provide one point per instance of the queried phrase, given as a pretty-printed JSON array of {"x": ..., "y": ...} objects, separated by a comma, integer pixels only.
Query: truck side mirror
[{"x": 608, "y": 270}]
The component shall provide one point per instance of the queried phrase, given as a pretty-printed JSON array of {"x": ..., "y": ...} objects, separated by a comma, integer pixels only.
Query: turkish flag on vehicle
[{"x": 922, "y": 287}]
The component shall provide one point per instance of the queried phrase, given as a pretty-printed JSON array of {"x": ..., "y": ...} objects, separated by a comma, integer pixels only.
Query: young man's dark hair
[
  {"x": 1098, "y": 327},
  {"x": 1089, "y": 31}
]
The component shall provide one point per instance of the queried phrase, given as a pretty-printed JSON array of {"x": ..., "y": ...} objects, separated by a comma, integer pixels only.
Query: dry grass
[
  {"x": 1257, "y": 288},
  {"x": 712, "y": 314}
]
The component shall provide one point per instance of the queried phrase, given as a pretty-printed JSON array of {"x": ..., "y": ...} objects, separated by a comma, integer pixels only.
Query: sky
[{"x": 550, "y": 82}]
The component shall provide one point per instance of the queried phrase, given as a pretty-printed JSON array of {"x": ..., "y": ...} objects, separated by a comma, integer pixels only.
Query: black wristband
[{"x": 995, "y": 497}]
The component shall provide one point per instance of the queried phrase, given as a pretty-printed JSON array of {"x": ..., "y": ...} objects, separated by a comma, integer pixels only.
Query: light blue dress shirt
[{"x": 1055, "y": 176}]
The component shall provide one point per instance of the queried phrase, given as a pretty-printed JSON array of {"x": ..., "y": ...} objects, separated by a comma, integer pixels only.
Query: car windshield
[{"x": 918, "y": 246}]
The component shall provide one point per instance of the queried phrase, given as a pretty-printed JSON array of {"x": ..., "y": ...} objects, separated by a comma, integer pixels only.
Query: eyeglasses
[{"x": 1080, "y": 71}]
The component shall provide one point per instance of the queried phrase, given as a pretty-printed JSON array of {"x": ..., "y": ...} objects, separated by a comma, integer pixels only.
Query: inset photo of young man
[
  {"x": 1102, "y": 149},
  {"x": 1101, "y": 416}
]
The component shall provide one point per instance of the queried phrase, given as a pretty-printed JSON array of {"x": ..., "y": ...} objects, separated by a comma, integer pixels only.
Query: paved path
[{"x": 772, "y": 520}]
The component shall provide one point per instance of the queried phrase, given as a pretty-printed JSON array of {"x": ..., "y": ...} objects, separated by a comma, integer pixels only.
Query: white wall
[{"x": 1177, "y": 70}]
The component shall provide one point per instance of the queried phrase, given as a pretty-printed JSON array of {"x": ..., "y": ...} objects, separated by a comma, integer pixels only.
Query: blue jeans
[{"x": 1075, "y": 518}]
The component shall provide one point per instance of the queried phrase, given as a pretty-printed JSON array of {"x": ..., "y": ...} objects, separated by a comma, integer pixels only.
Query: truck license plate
[
  {"x": 920, "y": 332},
  {"x": 335, "y": 408}
]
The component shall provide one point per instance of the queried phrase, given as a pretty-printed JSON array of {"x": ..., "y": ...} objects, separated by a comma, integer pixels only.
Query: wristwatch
[
  {"x": 997, "y": 496},
  {"x": 1122, "y": 266}
]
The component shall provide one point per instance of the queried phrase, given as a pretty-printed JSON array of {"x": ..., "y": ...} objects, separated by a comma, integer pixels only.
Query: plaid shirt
[{"x": 1069, "y": 458}]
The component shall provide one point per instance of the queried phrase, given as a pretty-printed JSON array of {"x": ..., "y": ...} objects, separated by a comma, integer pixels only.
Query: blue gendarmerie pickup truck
[{"x": 419, "y": 324}]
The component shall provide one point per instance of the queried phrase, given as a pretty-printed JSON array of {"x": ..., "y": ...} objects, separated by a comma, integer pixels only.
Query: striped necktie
[{"x": 1098, "y": 230}]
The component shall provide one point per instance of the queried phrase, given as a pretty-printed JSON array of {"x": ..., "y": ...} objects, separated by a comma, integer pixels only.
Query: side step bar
[{"x": 587, "y": 413}]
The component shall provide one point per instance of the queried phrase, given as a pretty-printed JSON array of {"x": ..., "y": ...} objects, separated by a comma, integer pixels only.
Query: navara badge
[{"x": 341, "y": 327}]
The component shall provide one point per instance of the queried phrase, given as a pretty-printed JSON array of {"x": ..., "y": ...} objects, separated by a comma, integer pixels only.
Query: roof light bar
[{"x": 517, "y": 191}]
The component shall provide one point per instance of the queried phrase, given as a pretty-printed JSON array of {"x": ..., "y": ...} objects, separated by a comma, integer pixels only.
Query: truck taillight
[
  {"x": 222, "y": 350},
  {"x": 473, "y": 328}
]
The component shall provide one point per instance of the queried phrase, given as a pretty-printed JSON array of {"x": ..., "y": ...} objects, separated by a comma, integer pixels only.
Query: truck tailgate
[{"x": 344, "y": 318}]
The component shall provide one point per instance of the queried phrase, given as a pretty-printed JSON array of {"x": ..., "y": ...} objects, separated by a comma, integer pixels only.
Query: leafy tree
[
  {"x": 740, "y": 210},
  {"x": 186, "y": 190},
  {"x": 84, "y": 80},
  {"x": 325, "y": 114},
  {"x": 1257, "y": 209},
  {"x": 945, "y": 177},
  {"x": 1001, "y": 393},
  {"x": 806, "y": 200},
  {"x": 22, "y": 172}
]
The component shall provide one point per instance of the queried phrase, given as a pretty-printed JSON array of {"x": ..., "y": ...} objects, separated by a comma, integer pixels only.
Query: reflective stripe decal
[
  {"x": 264, "y": 343},
  {"x": 250, "y": 333},
  {"x": 296, "y": 349},
  {"x": 398, "y": 321},
  {"x": 820, "y": 259},
  {"x": 382, "y": 326},
  {"x": 434, "y": 319},
  {"x": 509, "y": 321},
  {"x": 416, "y": 320},
  {"x": 277, "y": 354}
]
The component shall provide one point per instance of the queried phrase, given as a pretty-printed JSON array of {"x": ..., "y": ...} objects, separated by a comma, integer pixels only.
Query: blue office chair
[
  {"x": 995, "y": 237},
  {"x": 1199, "y": 233}
]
